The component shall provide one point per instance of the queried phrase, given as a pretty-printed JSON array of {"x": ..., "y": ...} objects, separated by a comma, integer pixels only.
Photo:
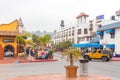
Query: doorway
[{"x": 8, "y": 51}]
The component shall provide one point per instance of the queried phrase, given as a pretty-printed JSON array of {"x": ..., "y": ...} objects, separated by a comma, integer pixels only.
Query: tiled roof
[
  {"x": 110, "y": 26},
  {"x": 82, "y": 14},
  {"x": 9, "y": 33}
]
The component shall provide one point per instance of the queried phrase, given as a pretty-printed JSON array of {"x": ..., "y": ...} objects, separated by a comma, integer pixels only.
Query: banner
[{"x": 117, "y": 13}]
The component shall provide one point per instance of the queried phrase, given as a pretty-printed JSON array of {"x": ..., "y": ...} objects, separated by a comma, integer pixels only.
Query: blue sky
[{"x": 47, "y": 14}]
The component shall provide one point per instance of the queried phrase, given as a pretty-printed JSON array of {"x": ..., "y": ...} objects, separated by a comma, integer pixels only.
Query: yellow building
[{"x": 8, "y": 43}]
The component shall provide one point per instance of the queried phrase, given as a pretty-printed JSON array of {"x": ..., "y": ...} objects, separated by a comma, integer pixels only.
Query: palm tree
[
  {"x": 20, "y": 41},
  {"x": 44, "y": 40},
  {"x": 63, "y": 45},
  {"x": 72, "y": 54}
]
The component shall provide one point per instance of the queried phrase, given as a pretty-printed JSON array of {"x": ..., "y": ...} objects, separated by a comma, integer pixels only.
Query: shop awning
[
  {"x": 99, "y": 33},
  {"x": 110, "y": 31},
  {"x": 87, "y": 45},
  {"x": 110, "y": 46}
]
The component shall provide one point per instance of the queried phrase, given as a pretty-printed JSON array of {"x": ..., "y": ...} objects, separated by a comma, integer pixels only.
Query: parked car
[
  {"x": 104, "y": 55},
  {"x": 9, "y": 53}
]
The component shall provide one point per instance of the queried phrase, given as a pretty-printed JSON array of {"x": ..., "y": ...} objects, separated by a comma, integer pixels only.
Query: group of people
[{"x": 36, "y": 53}]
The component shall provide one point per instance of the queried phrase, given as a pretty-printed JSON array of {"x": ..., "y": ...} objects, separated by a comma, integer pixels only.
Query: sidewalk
[
  {"x": 13, "y": 60},
  {"x": 16, "y": 60},
  {"x": 60, "y": 77},
  {"x": 115, "y": 59}
]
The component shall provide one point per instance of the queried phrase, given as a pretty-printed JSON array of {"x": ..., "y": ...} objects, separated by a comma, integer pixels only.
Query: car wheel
[
  {"x": 104, "y": 59},
  {"x": 87, "y": 58}
]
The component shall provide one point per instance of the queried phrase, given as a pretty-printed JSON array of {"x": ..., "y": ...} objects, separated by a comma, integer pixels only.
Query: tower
[
  {"x": 21, "y": 26},
  {"x": 62, "y": 24},
  {"x": 82, "y": 18}
]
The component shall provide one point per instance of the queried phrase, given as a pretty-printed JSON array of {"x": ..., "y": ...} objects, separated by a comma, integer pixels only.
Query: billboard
[
  {"x": 118, "y": 12},
  {"x": 100, "y": 17}
]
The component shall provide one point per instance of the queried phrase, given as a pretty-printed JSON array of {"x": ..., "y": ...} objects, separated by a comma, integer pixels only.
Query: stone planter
[
  {"x": 84, "y": 67},
  {"x": 71, "y": 71}
]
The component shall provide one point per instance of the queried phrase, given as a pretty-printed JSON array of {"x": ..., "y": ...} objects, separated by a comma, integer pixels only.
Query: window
[
  {"x": 99, "y": 26},
  {"x": 87, "y": 38},
  {"x": 79, "y": 31},
  {"x": 101, "y": 36},
  {"x": 112, "y": 35},
  {"x": 69, "y": 33},
  {"x": 72, "y": 32},
  {"x": 85, "y": 31}
]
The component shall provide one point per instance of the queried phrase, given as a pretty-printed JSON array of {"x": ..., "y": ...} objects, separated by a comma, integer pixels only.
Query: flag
[{"x": 100, "y": 17}]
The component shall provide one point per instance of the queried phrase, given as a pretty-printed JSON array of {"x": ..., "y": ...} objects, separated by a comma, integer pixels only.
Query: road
[{"x": 111, "y": 69}]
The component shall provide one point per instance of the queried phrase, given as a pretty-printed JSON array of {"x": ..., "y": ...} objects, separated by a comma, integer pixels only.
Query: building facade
[
  {"x": 99, "y": 30},
  {"x": 83, "y": 32},
  {"x": 8, "y": 42},
  {"x": 110, "y": 36},
  {"x": 66, "y": 33}
]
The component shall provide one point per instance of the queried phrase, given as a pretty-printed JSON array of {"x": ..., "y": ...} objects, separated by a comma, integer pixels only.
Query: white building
[
  {"x": 83, "y": 32},
  {"x": 66, "y": 33},
  {"x": 86, "y": 29},
  {"x": 110, "y": 36}
]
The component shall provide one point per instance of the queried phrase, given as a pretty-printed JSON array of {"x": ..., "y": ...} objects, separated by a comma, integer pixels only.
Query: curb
[
  {"x": 60, "y": 77},
  {"x": 37, "y": 61}
]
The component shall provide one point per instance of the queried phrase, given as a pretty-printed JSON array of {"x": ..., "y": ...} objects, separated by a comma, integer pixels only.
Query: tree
[
  {"x": 27, "y": 34},
  {"x": 63, "y": 45},
  {"x": 44, "y": 40},
  {"x": 20, "y": 40},
  {"x": 34, "y": 38},
  {"x": 72, "y": 54}
]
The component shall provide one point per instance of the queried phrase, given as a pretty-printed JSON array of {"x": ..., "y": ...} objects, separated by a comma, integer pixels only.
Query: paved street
[{"x": 95, "y": 67}]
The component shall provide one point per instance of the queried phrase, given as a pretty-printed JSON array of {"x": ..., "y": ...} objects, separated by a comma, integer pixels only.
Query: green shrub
[{"x": 51, "y": 51}]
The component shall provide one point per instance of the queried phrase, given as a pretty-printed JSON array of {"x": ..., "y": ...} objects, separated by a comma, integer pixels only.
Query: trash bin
[{"x": 84, "y": 67}]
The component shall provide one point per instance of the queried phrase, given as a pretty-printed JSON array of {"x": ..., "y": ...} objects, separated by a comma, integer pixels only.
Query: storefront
[{"x": 8, "y": 42}]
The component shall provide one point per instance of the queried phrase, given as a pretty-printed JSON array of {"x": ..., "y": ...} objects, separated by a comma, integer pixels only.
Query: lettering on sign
[{"x": 8, "y": 40}]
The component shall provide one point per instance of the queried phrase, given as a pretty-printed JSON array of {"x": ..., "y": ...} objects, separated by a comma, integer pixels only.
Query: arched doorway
[{"x": 8, "y": 51}]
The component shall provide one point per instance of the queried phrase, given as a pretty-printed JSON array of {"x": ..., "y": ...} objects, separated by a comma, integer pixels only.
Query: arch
[{"x": 9, "y": 51}]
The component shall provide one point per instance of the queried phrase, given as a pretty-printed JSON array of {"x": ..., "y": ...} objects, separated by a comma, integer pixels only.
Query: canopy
[
  {"x": 87, "y": 45},
  {"x": 110, "y": 31},
  {"x": 99, "y": 33},
  {"x": 110, "y": 46}
]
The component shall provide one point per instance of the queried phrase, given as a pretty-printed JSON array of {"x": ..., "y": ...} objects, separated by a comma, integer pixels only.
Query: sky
[{"x": 46, "y": 15}]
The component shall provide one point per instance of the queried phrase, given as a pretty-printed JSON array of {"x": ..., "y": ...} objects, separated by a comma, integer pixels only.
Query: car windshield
[{"x": 106, "y": 52}]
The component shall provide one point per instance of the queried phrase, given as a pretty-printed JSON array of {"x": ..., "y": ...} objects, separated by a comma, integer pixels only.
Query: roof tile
[{"x": 82, "y": 14}]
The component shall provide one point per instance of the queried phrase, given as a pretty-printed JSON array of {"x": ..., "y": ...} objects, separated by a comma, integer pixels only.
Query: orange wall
[{"x": 13, "y": 26}]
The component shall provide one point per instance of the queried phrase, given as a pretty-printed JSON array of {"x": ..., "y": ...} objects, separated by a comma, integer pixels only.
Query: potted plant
[
  {"x": 50, "y": 52},
  {"x": 72, "y": 54}
]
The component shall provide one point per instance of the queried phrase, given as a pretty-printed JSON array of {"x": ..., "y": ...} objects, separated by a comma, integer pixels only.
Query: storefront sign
[{"x": 8, "y": 40}]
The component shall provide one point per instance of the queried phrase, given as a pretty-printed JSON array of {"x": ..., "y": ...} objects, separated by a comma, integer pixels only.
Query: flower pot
[{"x": 71, "y": 71}]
